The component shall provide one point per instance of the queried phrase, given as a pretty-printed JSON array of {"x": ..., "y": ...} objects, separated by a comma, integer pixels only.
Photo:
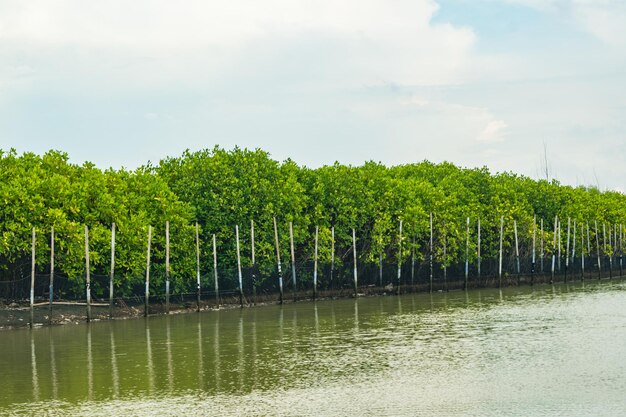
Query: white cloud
[
  {"x": 315, "y": 80},
  {"x": 155, "y": 42},
  {"x": 162, "y": 23},
  {"x": 417, "y": 101},
  {"x": 281, "y": 74},
  {"x": 605, "y": 19},
  {"x": 413, "y": 127},
  {"x": 493, "y": 132}
]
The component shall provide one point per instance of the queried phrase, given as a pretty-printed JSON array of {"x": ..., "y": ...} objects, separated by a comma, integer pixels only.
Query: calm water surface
[{"x": 547, "y": 351}]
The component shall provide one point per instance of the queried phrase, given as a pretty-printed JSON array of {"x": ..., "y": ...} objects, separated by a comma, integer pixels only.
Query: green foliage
[
  {"x": 48, "y": 191},
  {"x": 220, "y": 189}
]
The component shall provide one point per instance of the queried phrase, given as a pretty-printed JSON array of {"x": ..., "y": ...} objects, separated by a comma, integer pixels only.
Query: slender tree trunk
[
  {"x": 239, "y": 275},
  {"x": 293, "y": 261},
  {"x": 399, "y": 260},
  {"x": 478, "y": 258},
  {"x": 147, "y": 292},
  {"x": 32, "y": 279},
  {"x": 280, "y": 274},
  {"x": 598, "y": 250},
  {"x": 467, "y": 237},
  {"x": 254, "y": 266},
  {"x": 606, "y": 248},
  {"x": 569, "y": 220},
  {"x": 356, "y": 282},
  {"x": 612, "y": 250},
  {"x": 88, "y": 274},
  {"x": 541, "y": 251},
  {"x": 112, "y": 272},
  {"x": 573, "y": 242},
  {"x": 167, "y": 267},
  {"x": 517, "y": 264},
  {"x": 559, "y": 243},
  {"x": 413, "y": 262},
  {"x": 582, "y": 252},
  {"x": 532, "y": 264},
  {"x": 51, "y": 289},
  {"x": 315, "y": 264},
  {"x": 332, "y": 256},
  {"x": 380, "y": 269},
  {"x": 431, "y": 252},
  {"x": 588, "y": 241},
  {"x": 554, "y": 250},
  {"x": 621, "y": 250},
  {"x": 215, "y": 283},
  {"x": 198, "y": 285},
  {"x": 445, "y": 257},
  {"x": 500, "y": 257}
]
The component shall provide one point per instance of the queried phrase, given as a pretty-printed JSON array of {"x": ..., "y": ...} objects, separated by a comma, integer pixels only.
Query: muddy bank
[{"x": 17, "y": 315}]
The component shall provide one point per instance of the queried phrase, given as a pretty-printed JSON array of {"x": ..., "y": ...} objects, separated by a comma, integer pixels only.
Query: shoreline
[{"x": 14, "y": 316}]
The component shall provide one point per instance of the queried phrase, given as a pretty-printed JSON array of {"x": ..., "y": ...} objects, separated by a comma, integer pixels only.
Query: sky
[{"x": 507, "y": 84}]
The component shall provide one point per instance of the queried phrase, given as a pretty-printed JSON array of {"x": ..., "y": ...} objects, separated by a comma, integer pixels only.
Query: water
[{"x": 547, "y": 351}]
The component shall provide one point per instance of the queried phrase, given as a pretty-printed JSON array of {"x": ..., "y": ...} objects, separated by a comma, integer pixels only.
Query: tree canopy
[{"x": 221, "y": 188}]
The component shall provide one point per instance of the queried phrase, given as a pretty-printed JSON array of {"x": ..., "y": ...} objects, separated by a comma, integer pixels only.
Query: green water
[{"x": 547, "y": 351}]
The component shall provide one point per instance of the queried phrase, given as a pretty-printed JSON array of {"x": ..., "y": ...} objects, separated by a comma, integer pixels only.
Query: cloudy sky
[{"x": 475, "y": 82}]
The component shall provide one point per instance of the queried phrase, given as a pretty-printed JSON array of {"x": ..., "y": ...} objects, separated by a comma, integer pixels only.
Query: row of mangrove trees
[{"x": 220, "y": 188}]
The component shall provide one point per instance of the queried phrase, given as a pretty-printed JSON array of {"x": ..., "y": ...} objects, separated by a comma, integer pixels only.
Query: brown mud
[{"x": 17, "y": 315}]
